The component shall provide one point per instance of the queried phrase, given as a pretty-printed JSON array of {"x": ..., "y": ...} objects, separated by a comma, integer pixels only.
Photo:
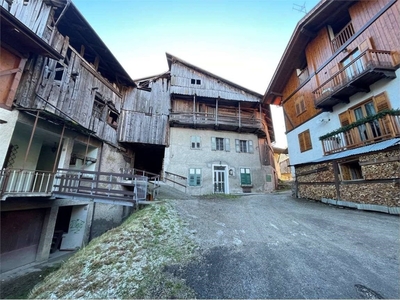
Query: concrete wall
[
  {"x": 7, "y": 130},
  {"x": 179, "y": 157}
]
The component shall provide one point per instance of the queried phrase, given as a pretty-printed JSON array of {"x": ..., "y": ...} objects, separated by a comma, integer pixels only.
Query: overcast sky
[{"x": 239, "y": 40}]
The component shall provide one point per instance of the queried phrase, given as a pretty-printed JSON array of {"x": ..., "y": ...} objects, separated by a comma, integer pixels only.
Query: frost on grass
[{"x": 127, "y": 261}]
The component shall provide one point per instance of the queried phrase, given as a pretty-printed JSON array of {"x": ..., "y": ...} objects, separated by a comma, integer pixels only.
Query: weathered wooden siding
[
  {"x": 68, "y": 86},
  {"x": 210, "y": 87},
  {"x": 33, "y": 13},
  {"x": 144, "y": 117}
]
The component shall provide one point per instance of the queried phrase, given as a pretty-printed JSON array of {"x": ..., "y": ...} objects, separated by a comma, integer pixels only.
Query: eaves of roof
[
  {"x": 17, "y": 35},
  {"x": 324, "y": 13}
]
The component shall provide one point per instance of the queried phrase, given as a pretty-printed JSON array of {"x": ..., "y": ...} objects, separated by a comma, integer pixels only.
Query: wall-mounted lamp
[{"x": 230, "y": 172}]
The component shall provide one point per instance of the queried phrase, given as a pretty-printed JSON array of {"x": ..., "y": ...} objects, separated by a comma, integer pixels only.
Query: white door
[
  {"x": 77, "y": 225},
  {"x": 219, "y": 180}
]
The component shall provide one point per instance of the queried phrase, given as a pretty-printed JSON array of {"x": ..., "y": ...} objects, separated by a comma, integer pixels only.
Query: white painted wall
[
  {"x": 6, "y": 131},
  {"x": 179, "y": 157},
  {"x": 318, "y": 128}
]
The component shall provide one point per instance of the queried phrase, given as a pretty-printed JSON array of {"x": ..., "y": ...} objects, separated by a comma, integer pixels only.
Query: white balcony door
[{"x": 220, "y": 179}]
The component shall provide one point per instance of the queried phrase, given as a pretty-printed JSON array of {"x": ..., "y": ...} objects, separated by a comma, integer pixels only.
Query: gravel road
[{"x": 275, "y": 246}]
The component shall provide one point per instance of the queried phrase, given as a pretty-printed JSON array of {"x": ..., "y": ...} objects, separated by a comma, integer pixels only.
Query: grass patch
[
  {"x": 127, "y": 261},
  {"x": 218, "y": 196}
]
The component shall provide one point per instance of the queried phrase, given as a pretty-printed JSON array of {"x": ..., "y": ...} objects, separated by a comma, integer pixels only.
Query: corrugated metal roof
[{"x": 357, "y": 151}]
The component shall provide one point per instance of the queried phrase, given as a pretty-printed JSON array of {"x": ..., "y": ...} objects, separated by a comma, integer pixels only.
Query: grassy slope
[{"x": 127, "y": 261}]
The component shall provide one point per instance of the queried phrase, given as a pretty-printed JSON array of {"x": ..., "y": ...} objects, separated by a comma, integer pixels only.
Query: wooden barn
[{"x": 338, "y": 83}]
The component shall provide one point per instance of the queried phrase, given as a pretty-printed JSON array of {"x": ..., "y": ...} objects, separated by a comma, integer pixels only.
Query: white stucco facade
[
  {"x": 180, "y": 158},
  {"x": 329, "y": 121}
]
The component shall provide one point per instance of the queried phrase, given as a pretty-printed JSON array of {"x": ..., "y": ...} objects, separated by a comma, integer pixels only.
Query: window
[
  {"x": 350, "y": 170},
  {"x": 300, "y": 105},
  {"x": 194, "y": 177},
  {"x": 244, "y": 146},
  {"x": 195, "y": 142},
  {"x": 245, "y": 177},
  {"x": 305, "y": 141},
  {"x": 220, "y": 144},
  {"x": 372, "y": 129},
  {"x": 112, "y": 118},
  {"x": 98, "y": 107},
  {"x": 303, "y": 75},
  {"x": 195, "y": 81}
]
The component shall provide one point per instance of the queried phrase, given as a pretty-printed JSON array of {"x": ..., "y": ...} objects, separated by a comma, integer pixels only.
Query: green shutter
[
  {"x": 237, "y": 145},
  {"x": 250, "y": 143},
  {"x": 227, "y": 145},
  {"x": 213, "y": 143}
]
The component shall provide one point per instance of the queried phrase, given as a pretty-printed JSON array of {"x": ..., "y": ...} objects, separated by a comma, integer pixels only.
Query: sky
[{"x": 239, "y": 40}]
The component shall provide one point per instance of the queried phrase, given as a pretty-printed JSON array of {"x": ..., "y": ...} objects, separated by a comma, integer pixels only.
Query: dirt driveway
[{"x": 274, "y": 246}]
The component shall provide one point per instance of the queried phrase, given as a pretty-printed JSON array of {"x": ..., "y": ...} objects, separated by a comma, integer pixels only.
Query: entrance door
[
  {"x": 219, "y": 180},
  {"x": 77, "y": 225}
]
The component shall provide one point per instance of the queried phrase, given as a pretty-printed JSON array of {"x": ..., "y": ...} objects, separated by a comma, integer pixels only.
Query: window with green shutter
[
  {"x": 195, "y": 142},
  {"x": 244, "y": 146},
  {"x": 194, "y": 177},
  {"x": 245, "y": 176}
]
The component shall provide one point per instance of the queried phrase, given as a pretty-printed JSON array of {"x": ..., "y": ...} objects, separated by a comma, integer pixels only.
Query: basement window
[{"x": 350, "y": 170}]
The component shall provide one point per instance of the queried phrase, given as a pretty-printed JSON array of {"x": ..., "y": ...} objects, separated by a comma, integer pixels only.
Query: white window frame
[
  {"x": 196, "y": 173},
  {"x": 195, "y": 142},
  {"x": 225, "y": 144},
  {"x": 248, "y": 143}
]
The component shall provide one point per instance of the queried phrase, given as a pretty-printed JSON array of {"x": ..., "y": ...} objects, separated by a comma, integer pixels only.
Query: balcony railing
[
  {"x": 20, "y": 182},
  {"x": 128, "y": 186},
  {"x": 207, "y": 119},
  {"x": 342, "y": 37},
  {"x": 373, "y": 129},
  {"x": 367, "y": 68}
]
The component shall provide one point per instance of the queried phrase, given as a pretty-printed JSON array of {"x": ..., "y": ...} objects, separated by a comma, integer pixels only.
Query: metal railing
[
  {"x": 367, "y": 60},
  {"x": 343, "y": 36},
  {"x": 21, "y": 181},
  {"x": 175, "y": 179},
  {"x": 373, "y": 130}
]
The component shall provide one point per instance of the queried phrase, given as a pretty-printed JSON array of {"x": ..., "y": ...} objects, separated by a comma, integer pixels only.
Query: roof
[
  {"x": 357, "y": 151},
  {"x": 21, "y": 38},
  {"x": 324, "y": 13},
  {"x": 173, "y": 59},
  {"x": 74, "y": 25}
]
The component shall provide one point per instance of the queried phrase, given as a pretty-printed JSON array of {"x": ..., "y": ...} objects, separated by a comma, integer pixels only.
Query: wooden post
[
  {"x": 86, "y": 151},
  {"x": 216, "y": 111},
  {"x": 58, "y": 148},
  {"x": 31, "y": 139},
  {"x": 240, "y": 121},
  {"x": 194, "y": 108}
]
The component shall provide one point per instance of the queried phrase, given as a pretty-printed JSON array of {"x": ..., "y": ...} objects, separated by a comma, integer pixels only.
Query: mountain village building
[
  {"x": 82, "y": 143},
  {"x": 338, "y": 83}
]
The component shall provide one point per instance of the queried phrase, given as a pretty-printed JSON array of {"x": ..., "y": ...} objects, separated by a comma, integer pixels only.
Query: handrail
[
  {"x": 366, "y": 60},
  {"x": 345, "y": 34},
  {"x": 373, "y": 129},
  {"x": 175, "y": 176},
  {"x": 16, "y": 181}
]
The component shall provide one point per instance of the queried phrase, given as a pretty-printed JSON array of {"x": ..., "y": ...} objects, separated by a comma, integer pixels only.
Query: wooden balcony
[
  {"x": 128, "y": 187},
  {"x": 374, "y": 129},
  {"x": 366, "y": 69},
  {"x": 220, "y": 121},
  {"x": 342, "y": 37}
]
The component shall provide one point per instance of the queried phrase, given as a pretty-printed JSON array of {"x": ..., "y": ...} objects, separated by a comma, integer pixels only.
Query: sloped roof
[
  {"x": 324, "y": 13},
  {"x": 173, "y": 59}
]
